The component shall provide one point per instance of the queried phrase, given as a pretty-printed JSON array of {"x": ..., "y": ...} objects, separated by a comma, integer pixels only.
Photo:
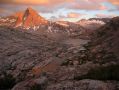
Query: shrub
[
  {"x": 103, "y": 73},
  {"x": 65, "y": 63},
  {"x": 7, "y": 82},
  {"x": 36, "y": 87},
  {"x": 101, "y": 33}
]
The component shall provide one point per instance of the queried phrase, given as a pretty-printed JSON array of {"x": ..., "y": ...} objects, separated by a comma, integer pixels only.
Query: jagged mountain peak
[
  {"x": 30, "y": 10},
  {"x": 29, "y": 18},
  {"x": 18, "y": 14}
]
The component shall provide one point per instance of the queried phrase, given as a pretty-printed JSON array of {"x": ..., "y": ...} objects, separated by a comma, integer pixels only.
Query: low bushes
[
  {"x": 6, "y": 81},
  {"x": 103, "y": 73},
  {"x": 36, "y": 87}
]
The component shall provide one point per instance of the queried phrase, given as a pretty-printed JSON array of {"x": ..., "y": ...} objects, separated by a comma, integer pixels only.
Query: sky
[{"x": 66, "y": 10}]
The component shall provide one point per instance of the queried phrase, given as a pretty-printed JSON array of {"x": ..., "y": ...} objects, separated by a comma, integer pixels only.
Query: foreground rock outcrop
[{"x": 83, "y": 85}]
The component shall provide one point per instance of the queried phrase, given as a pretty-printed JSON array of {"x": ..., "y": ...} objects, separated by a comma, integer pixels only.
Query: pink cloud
[
  {"x": 115, "y": 2},
  {"x": 81, "y": 4},
  {"x": 36, "y": 2},
  {"x": 102, "y": 7},
  {"x": 105, "y": 15},
  {"x": 98, "y": 1},
  {"x": 88, "y": 5},
  {"x": 74, "y": 15},
  {"x": 71, "y": 4},
  {"x": 5, "y": 12}
]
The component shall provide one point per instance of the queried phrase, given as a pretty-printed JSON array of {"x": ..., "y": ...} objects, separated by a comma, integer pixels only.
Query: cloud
[
  {"x": 62, "y": 9},
  {"x": 36, "y": 2},
  {"x": 74, "y": 15},
  {"x": 88, "y": 5},
  {"x": 40, "y": 5},
  {"x": 105, "y": 15},
  {"x": 115, "y": 2},
  {"x": 102, "y": 7},
  {"x": 60, "y": 18},
  {"x": 53, "y": 18},
  {"x": 4, "y": 12},
  {"x": 71, "y": 15},
  {"x": 48, "y": 6},
  {"x": 73, "y": 4}
]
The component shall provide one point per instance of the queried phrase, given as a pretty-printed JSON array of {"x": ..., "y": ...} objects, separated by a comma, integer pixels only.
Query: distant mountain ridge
[
  {"x": 31, "y": 20},
  {"x": 106, "y": 20}
]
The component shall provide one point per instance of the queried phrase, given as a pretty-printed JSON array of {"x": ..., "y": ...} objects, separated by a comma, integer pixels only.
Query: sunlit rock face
[
  {"x": 18, "y": 16},
  {"x": 29, "y": 19}
]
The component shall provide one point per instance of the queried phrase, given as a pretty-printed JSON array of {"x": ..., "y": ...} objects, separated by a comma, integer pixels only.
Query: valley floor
[{"x": 34, "y": 61}]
